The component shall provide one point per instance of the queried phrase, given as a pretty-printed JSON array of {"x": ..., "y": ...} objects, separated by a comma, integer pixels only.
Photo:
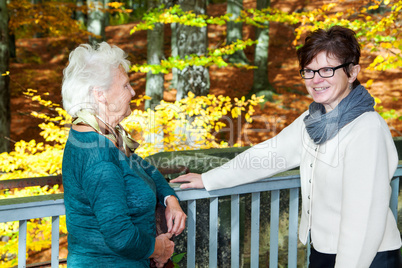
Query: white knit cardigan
[{"x": 345, "y": 185}]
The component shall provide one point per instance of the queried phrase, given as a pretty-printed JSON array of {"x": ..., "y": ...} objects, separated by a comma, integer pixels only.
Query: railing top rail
[
  {"x": 20, "y": 202},
  {"x": 285, "y": 181},
  {"x": 11, "y": 209},
  {"x": 25, "y": 208},
  {"x": 53, "y": 180}
]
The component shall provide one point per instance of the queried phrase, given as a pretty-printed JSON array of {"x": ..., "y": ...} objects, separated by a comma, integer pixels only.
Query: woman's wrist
[
  {"x": 170, "y": 200},
  {"x": 164, "y": 200},
  {"x": 158, "y": 249},
  {"x": 163, "y": 248}
]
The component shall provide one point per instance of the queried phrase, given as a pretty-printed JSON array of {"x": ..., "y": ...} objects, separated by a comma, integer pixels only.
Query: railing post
[
  {"x": 255, "y": 230},
  {"x": 274, "y": 229},
  {"x": 235, "y": 230},
  {"x": 213, "y": 232},
  {"x": 22, "y": 243},
  {"x": 55, "y": 241},
  {"x": 191, "y": 220},
  {"x": 293, "y": 225}
]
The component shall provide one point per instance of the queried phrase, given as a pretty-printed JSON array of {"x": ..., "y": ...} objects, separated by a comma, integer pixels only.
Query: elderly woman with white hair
[{"x": 110, "y": 193}]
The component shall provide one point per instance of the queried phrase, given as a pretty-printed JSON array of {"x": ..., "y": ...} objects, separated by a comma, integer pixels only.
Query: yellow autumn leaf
[
  {"x": 379, "y": 59},
  {"x": 386, "y": 45}
]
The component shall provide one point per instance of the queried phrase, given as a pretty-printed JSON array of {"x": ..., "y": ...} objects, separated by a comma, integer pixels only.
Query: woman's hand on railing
[
  {"x": 164, "y": 248},
  {"x": 175, "y": 217},
  {"x": 191, "y": 180}
]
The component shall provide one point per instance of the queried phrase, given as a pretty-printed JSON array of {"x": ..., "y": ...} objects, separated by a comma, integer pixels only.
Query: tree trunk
[
  {"x": 154, "y": 85},
  {"x": 5, "y": 117},
  {"x": 35, "y": 3},
  {"x": 106, "y": 12},
  {"x": 138, "y": 7},
  {"x": 260, "y": 80},
  {"x": 12, "y": 47},
  {"x": 96, "y": 20},
  {"x": 173, "y": 83},
  {"x": 192, "y": 40},
  {"x": 235, "y": 31},
  {"x": 79, "y": 15}
]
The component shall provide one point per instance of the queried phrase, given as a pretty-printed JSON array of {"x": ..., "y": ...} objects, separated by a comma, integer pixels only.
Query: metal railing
[
  {"x": 289, "y": 181},
  {"x": 26, "y": 208}
]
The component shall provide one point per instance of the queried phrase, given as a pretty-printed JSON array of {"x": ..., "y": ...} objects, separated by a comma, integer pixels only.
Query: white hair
[{"x": 90, "y": 67}]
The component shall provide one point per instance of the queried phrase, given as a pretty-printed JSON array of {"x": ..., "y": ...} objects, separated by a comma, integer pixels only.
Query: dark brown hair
[{"x": 338, "y": 42}]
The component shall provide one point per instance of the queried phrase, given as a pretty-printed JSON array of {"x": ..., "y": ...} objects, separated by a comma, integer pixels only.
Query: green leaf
[{"x": 176, "y": 258}]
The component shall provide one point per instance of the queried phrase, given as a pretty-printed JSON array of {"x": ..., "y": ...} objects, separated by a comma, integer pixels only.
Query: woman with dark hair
[{"x": 346, "y": 155}]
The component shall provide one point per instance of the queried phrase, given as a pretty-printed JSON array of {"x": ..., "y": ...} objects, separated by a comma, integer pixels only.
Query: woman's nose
[
  {"x": 132, "y": 92},
  {"x": 317, "y": 78}
]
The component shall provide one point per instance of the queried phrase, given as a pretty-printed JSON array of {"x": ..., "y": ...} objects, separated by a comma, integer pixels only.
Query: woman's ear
[
  {"x": 99, "y": 96},
  {"x": 355, "y": 70}
]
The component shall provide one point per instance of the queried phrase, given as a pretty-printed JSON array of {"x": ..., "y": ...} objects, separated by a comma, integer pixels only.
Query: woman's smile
[{"x": 320, "y": 88}]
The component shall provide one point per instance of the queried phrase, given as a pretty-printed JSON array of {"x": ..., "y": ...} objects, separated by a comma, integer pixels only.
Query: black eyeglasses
[{"x": 325, "y": 72}]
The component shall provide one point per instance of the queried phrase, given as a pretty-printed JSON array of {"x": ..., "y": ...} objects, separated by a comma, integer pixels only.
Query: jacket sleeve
[
  {"x": 163, "y": 188},
  {"x": 370, "y": 161},
  {"x": 104, "y": 186},
  {"x": 281, "y": 153}
]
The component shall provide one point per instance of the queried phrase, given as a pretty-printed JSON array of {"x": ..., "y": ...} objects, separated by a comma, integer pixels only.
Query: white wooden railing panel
[{"x": 23, "y": 209}]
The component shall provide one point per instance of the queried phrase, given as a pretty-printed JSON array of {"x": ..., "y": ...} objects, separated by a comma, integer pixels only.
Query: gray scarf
[{"x": 323, "y": 126}]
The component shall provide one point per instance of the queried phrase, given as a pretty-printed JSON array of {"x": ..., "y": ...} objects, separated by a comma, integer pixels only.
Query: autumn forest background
[
  {"x": 39, "y": 63},
  {"x": 246, "y": 92}
]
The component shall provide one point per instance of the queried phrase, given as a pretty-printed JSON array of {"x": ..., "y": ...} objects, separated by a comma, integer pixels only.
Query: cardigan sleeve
[
  {"x": 281, "y": 153},
  {"x": 163, "y": 188},
  {"x": 370, "y": 161},
  {"x": 104, "y": 185}
]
